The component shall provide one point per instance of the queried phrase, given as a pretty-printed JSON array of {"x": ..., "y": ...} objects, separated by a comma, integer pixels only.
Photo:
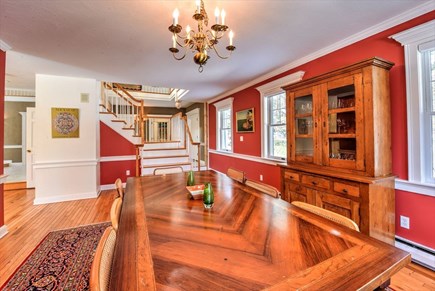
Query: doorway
[{"x": 15, "y": 139}]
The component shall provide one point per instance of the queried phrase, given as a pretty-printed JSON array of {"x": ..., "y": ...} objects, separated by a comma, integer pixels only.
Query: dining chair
[
  {"x": 119, "y": 188},
  {"x": 327, "y": 214},
  {"x": 115, "y": 213},
  {"x": 264, "y": 188},
  {"x": 102, "y": 263},
  {"x": 237, "y": 175},
  {"x": 168, "y": 170}
]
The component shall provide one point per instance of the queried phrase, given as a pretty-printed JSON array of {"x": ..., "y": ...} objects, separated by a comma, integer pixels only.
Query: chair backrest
[
  {"x": 102, "y": 263},
  {"x": 327, "y": 214},
  {"x": 115, "y": 213},
  {"x": 119, "y": 188},
  {"x": 236, "y": 175},
  {"x": 168, "y": 170},
  {"x": 265, "y": 188}
]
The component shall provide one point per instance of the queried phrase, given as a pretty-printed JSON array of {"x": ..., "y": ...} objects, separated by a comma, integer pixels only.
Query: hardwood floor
[{"x": 28, "y": 224}]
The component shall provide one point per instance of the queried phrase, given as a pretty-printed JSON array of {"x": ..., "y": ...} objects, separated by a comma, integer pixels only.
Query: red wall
[
  {"x": 2, "y": 123},
  {"x": 113, "y": 144},
  {"x": 378, "y": 45}
]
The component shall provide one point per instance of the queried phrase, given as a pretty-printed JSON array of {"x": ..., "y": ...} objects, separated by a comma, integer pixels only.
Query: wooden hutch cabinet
[{"x": 339, "y": 145}]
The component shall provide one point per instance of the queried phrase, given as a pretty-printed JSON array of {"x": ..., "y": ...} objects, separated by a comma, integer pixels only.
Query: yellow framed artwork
[{"x": 65, "y": 122}]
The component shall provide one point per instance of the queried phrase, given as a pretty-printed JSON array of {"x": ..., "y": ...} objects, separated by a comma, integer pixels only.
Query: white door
[
  {"x": 30, "y": 123},
  {"x": 193, "y": 123}
]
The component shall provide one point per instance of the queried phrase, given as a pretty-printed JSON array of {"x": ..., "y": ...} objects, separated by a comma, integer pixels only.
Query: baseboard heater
[{"x": 420, "y": 254}]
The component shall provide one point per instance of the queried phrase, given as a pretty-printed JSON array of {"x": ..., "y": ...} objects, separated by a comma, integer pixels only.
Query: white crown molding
[
  {"x": 416, "y": 34},
  {"x": 401, "y": 18},
  {"x": 3, "y": 231},
  {"x": 117, "y": 158},
  {"x": 4, "y": 46},
  {"x": 63, "y": 198},
  {"x": 275, "y": 86}
]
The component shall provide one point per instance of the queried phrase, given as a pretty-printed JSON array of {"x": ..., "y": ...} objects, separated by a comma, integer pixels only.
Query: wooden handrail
[
  {"x": 119, "y": 94},
  {"x": 126, "y": 93}
]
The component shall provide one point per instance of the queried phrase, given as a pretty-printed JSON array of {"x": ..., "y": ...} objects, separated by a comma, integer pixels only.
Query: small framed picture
[
  {"x": 65, "y": 123},
  {"x": 245, "y": 120}
]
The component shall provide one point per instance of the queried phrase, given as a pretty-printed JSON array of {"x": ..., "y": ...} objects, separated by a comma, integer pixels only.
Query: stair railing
[
  {"x": 156, "y": 128},
  {"x": 124, "y": 107}
]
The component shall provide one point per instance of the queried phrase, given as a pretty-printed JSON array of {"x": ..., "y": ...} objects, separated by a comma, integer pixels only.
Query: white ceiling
[{"x": 128, "y": 40}]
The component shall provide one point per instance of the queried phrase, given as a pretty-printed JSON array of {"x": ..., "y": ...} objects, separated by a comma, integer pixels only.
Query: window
[
  {"x": 428, "y": 88},
  {"x": 224, "y": 130},
  {"x": 419, "y": 45},
  {"x": 276, "y": 126},
  {"x": 273, "y": 116}
]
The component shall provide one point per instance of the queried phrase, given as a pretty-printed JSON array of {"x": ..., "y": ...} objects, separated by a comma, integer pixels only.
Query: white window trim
[
  {"x": 268, "y": 89},
  {"x": 411, "y": 39},
  {"x": 223, "y": 104}
]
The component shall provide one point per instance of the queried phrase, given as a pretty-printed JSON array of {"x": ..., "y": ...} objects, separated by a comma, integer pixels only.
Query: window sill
[{"x": 415, "y": 187}]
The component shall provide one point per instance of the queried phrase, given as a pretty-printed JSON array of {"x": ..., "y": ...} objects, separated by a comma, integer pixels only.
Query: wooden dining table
[{"x": 247, "y": 241}]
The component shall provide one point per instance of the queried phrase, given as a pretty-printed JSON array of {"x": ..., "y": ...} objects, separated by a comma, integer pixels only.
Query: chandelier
[{"x": 203, "y": 40}]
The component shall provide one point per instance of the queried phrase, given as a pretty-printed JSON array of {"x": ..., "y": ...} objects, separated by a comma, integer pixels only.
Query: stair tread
[
  {"x": 160, "y": 149},
  {"x": 166, "y": 165},
  {"x": 165, "y": 157},
  {"x": 169, "y": 141}
]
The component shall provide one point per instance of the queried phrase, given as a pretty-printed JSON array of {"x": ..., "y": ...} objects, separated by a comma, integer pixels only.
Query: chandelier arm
[
  {"x": 179, "y": 58},
  {"x": 222, "y": 57},
  {"x": 219, "y": 34}
]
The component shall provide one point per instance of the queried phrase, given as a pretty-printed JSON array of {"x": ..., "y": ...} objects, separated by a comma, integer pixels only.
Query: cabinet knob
[
  {"x": 344, "y": 191},
  {"x": 314, "y": 183}
]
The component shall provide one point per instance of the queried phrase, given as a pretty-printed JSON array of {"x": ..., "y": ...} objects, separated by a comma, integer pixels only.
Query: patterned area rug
[{"x": 62, "y": 261}]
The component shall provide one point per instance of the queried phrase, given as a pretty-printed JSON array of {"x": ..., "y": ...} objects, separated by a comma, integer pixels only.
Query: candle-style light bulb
[
  {"x": 198, "y": 6},
  {"x": 231, "y": 35},
  {"x": 175, "y": 15},
  {"x": 223, "y": 14},
  {"x": 216, "y": 15},
  {"x": 174, "y": 41},
  {"x": 188, "y": 31}
]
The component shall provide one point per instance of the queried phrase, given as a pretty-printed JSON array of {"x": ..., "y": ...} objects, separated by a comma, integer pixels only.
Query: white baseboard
[
  {"x": 3, "y": 231},
  {"x": 64, "y": 198},
  {"x": 419, "y": 254},
  {"x": 109, "y": 187}
]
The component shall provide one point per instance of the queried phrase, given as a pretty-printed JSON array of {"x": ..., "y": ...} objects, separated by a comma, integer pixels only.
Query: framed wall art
[
  {"x": 65, "y": 122},
  {"x": 245, "y": 120}
]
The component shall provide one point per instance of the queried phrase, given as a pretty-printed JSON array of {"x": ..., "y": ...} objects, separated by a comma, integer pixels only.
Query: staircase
[
  {"x": 162, "y": 142},
  {"x": 164, "y": 155}
]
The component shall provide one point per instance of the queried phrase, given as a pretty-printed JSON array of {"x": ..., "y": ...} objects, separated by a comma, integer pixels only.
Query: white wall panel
[{"x": 65, "y": 168}]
